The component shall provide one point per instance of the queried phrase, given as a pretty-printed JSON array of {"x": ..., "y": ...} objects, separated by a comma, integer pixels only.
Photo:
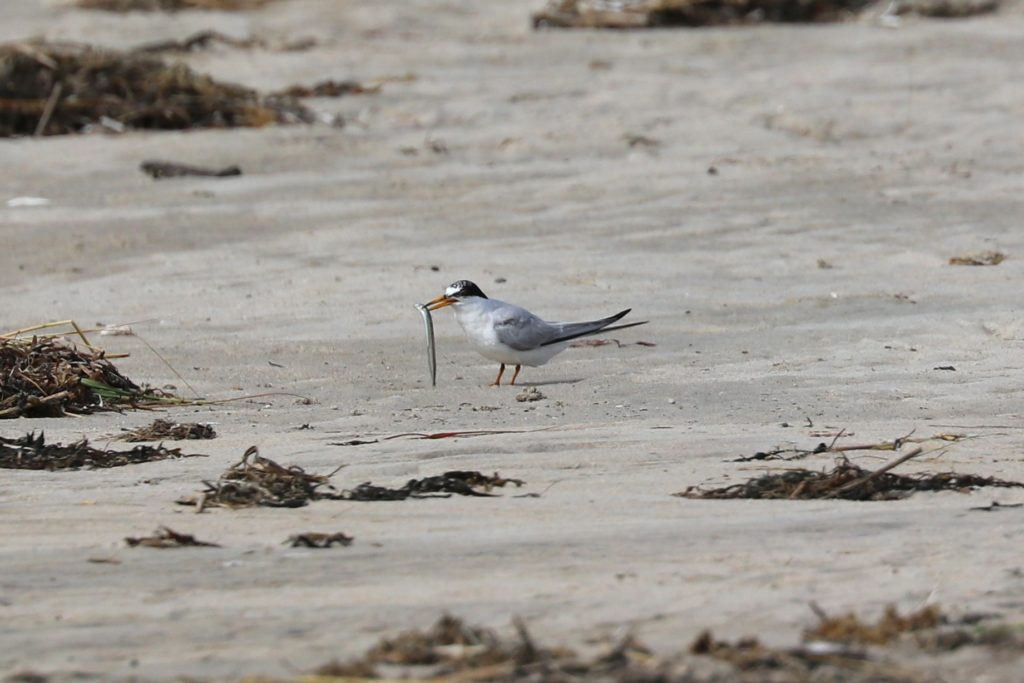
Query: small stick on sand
[
  {"x": 51, "y": 104},
  {"x": 877, "y": 473}
]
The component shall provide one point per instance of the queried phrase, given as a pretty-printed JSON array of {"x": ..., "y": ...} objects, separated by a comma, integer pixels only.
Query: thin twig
[
  {"x": 837, "y": 437},
  {"x": 169, "y": 366},
  {"x": 877, "y": 473},
  {"x": 213, "y": 402},
  {"x": 51, "y": 104},
  {"x": 33, "y": 328},
  {"x": 78, "y": 331},
  {"x": 893, "y": 445},
  {"x": 471, "y": 432}
]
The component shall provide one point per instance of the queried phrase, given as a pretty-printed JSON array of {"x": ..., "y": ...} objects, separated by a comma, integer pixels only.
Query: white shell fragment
[{"x": 20, "y": 202}]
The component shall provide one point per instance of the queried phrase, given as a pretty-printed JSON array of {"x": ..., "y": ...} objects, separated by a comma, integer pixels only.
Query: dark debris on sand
[
  {"x": 451, "y": 646},
  {"x": 158, "y": 170},
  {"x": 328, "y": 89},
  {"x": 849, "y": 628},
  {"x": 456, "y": 482},
  {"x": 750, "y": 661},
  {"x": 929, "y": 629},
  {"x": 845, "y": 481},
  {"x": 451, "y": 650},
  {"x": 165, "y": 537},
  {"x": 31, "y": 452},
  {"x": 165, "y": 430},
  {"x": 256, "y": 480},
  {"x": 314, "y": 539},
  {"x": 631, "y": 14},
  {"x": 202, "y": 40},
  {"x": 985, "y": 258},
  {"x": 56, "y": 89}
]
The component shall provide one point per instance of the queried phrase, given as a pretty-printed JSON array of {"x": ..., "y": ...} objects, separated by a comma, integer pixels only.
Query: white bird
[{"x": 511, "y": 335}]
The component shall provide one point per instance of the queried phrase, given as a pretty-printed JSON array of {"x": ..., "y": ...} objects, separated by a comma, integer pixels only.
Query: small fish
[{"x": 428, "y": 323}]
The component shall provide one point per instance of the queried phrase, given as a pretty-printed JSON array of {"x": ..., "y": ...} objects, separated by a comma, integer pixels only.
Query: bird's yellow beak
[{"x": 440, "y": 302}]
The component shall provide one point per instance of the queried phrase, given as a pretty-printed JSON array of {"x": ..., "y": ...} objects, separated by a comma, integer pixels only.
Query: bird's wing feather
[
  {"x": 521, "y": 330},
  {"x": 568, "y": 331}
]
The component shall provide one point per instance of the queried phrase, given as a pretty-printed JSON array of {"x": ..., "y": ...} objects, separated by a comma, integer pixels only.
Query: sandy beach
[{"x": 779, "y": 201}]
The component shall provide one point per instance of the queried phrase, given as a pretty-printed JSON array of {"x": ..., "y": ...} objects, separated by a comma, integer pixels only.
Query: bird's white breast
[{"x": 478, "y": 319}]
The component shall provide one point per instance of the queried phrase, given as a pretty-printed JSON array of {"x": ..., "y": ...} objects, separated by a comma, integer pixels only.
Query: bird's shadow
[{"x": 550, "y": 382}]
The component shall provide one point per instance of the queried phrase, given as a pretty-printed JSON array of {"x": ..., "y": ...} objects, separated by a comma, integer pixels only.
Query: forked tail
[{"x": 572, "y": 331}]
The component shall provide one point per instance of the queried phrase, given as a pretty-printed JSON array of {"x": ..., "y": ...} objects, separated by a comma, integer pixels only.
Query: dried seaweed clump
[
  {"x": 463, "y": 483},
  {"x": 845, "y": 481},
  {"x": 55, "y": 89},
  {"x": 328, "y": 89},
  {"x": 453, "y": 651},
  {"x": 165, "y": 537},
  {"x": 48, "y": 377},
  {"x": 315, "y": 539},
  {"x": 425, "y": 647},
  {"x": 624, "y": 14},
  {"x": 849, "y": 628},
  {"x": 31, "y": 452},
  {"x": 753, "y": 662},
  {"x": 171, "y": 169},
  {"x": 165, "y": 430},
  {"x": 451, "y": 646},
  {"x": 946, "y": 9},
  {"x": 256, "y": 480},
  {"x": 985, "y": 258},
  {"x": 170, "y": 5}
]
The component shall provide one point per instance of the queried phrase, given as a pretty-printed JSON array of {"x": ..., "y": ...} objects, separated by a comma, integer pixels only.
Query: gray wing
[{"x": 521, "y": 330}]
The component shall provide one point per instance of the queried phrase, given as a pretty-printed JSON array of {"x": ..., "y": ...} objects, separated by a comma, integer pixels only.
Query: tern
[{"x": 511, "y": 335}]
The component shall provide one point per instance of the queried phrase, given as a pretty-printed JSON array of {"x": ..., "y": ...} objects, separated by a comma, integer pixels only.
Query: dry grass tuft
[
  {"x": 57, "y": 89},
  {"x": 50, "y": 377},
  {"x": 849, "y": 628}
]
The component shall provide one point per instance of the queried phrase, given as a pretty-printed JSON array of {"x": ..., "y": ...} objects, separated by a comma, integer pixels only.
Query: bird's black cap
[{"x": 463, "y": 289}]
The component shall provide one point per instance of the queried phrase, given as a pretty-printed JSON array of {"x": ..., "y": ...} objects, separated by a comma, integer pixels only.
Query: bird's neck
[{"x": 469, "y": 309}]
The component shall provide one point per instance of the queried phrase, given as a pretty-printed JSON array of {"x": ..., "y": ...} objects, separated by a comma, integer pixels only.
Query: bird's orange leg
[
  {"x": 497, "y": 381},
  {"x": 516, "y": 374}
]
